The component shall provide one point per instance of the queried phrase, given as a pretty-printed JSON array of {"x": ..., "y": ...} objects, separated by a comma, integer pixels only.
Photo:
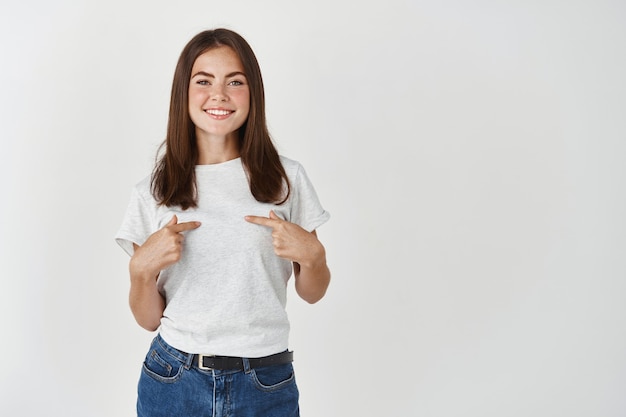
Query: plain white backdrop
[{"x": 471, "y": 153}]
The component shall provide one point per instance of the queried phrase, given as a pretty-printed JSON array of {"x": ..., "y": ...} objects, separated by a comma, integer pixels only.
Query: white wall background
[{"x": 472, "y": 154}]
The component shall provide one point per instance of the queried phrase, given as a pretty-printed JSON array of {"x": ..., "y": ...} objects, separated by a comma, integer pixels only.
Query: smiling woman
[{"x": 214, "y": 236}]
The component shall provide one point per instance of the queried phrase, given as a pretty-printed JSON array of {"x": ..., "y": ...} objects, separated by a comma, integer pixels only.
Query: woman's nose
[{"x": 218, "y": 93}]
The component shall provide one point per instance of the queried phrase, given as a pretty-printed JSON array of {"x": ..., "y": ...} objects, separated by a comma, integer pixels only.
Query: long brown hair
[{"x": 174, "y": 179}]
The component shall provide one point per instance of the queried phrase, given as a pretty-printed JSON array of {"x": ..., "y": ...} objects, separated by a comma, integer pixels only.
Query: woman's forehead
[{"x": 221, "y": 58}]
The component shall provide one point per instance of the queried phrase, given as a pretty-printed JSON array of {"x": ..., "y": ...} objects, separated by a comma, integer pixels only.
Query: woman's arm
[
  {"x": 312, "y": 277},
  {"x": 162, "y": 249},
  {"x": 146, "y": 302}
]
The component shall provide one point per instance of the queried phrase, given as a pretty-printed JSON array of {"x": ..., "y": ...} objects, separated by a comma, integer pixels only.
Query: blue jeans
[{"x": 171, "y": 386}]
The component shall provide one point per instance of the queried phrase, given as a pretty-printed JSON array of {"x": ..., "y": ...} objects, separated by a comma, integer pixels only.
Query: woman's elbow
[{"x": 311, "y": 297}]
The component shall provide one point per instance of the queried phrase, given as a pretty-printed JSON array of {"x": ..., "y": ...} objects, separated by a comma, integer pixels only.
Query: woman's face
[{"x": 219, "y": 96}]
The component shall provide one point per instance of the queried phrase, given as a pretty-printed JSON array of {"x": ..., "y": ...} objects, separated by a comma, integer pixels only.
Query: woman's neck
[{"x": 214, "y": 150}]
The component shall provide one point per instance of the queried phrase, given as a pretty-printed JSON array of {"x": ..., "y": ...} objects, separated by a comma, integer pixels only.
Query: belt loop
[
  {"x": 246, "y": 365},
  {"x": 189, "y": 360}
]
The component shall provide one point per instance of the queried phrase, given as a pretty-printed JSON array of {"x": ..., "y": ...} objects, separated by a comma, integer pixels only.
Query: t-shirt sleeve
[
  {"x": 137, "y": 225},
  {"x": 306, "y": 209}
]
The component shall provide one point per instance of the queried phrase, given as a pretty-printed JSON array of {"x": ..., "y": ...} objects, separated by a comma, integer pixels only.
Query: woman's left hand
[{"x": 291, "y": 241}]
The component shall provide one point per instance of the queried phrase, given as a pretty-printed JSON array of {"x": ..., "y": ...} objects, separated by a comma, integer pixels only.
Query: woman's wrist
[
  {"x": 140, "y": 273},
  {"x": 316, "y": 258}
]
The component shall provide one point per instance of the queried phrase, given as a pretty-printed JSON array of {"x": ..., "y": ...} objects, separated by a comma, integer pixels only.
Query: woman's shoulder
[
  {"x": 292, "y": 167},
  {"x": 144, "y": 183},
  {"x": 144, "y": 187}
]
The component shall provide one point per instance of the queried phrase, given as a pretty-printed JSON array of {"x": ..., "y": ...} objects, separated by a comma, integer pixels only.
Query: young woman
[{"x": 214, "y": 235}]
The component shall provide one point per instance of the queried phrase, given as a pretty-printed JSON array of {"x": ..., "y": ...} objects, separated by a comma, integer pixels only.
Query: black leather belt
[{"x": 222, "y": 363}]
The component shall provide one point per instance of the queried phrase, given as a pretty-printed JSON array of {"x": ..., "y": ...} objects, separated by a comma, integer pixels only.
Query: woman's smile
[{"x": 219, "y": 114}]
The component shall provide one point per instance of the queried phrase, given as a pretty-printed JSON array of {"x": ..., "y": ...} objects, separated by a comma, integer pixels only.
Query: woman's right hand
[{"x": 162, "y": 249}]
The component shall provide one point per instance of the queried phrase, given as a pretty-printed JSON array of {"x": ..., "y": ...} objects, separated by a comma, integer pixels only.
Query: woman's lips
[{"x": 219, "y": 113}]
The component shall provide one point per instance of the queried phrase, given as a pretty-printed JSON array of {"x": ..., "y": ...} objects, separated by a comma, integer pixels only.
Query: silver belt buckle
[{"x": 201, "y": 362}]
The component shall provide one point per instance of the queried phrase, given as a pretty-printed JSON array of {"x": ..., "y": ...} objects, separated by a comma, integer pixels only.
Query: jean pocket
[
  {"x": 272, "y": 378},
  {"x": 162, "y": 367}
]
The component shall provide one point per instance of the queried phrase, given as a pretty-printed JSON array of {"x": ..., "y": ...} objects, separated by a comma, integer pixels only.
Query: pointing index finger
[
  {"x": 260, "y": 220},
  {"x": 182, "y": 227}
]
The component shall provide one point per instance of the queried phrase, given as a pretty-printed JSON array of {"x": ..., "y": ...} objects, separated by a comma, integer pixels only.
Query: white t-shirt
[{"x": 227, "y": 294}]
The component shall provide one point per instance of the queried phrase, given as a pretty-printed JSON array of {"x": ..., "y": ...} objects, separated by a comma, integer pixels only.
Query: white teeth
[{"x": 218, "y": 112}]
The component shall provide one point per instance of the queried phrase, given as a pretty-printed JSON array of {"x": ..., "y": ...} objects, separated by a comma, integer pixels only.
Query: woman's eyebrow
[{"x": 206, "y": 74}]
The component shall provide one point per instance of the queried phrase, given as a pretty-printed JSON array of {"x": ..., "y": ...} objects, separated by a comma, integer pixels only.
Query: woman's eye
[
  {"x": 202, "y": 82},
  {"x": 236, "y": 82}
]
